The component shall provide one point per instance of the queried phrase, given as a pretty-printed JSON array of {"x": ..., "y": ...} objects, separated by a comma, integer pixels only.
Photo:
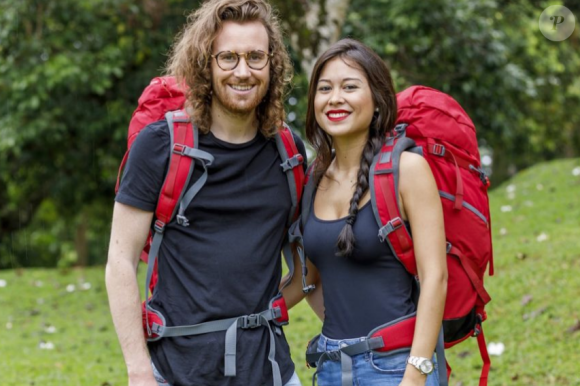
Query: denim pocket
[{"x": 390, "y": 364}]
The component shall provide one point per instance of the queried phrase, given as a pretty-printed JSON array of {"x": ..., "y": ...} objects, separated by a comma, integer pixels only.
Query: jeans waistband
[{"x": 333, "y": 344}]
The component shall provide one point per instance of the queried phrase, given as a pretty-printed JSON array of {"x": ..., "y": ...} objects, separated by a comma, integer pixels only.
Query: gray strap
[
  {"x": 295, "y": 236},
  {"x": 346, "y": 367},
  {"x": 289, "y": 258},
  {"x": 206, "y": 160},
  {"x": 289, "y": 174},
  {"x": 441, "y": 361},
  {"x": 230, "y": 351},
  {"x": 277, "y": 377},
  {"x": 153, "y": 251}
]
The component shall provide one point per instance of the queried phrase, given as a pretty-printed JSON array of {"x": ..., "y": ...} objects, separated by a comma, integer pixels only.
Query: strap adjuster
[
  {"x": 438, "y": 149},
  {"x": 179, "y": 149},
  {"x": 159, "y": 226},
  {"x": 334, "y": 355},
  {"x": 293, "y": 162},
  {"x": 182, "y": 220},
  {"x": 390, "y": 227},
  {"x": 250, "y": 321}
]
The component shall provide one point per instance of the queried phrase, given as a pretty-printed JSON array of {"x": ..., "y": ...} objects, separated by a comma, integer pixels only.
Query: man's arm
[{"x": 129, "y": 232}]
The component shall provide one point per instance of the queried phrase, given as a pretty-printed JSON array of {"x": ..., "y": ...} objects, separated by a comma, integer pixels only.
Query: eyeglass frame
[{"x": 269, "y": 56}]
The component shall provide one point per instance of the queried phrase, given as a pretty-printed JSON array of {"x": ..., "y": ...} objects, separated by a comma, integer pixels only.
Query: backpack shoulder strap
[
  {"x": 291, "y": 164},
  {"x": 183, "y": 135},
  {"x": 384, "y": 187}
]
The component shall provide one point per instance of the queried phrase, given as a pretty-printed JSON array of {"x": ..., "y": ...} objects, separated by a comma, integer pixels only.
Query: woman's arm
[
  {"x": 293, "y": 293},
  {"x": 421, "y": 205}
]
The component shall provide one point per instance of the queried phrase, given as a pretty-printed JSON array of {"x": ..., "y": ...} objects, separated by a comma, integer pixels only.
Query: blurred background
[{"x": 71, "y": 72}]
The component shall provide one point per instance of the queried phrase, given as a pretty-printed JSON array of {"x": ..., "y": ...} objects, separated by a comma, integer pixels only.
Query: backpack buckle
[
  {"x": 250, "y": 321},
  {"x": 390, "y": 227},
  {"x": 293, "y": 162}
]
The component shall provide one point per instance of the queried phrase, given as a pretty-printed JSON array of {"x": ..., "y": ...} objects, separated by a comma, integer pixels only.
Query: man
[{"x": 226, "y": 263}]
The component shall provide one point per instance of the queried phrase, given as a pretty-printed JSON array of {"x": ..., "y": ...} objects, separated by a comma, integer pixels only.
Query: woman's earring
[{"x": 377, "y": 110}]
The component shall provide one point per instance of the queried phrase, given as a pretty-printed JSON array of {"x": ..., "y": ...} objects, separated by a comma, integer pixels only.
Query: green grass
[{"x": 541, "y": 346}]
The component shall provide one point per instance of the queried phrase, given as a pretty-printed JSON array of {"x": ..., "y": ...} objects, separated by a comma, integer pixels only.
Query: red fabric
[
  {"x": 436, "y": 121},
  {"x": 396, "y": 336},
  {"x": 280, "y": 302},
  {"x": 151, "y": 317},
  {"x": 299, "y": 177}
]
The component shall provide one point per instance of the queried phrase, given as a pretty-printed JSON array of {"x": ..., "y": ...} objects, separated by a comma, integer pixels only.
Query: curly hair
[
  {"x": 190, "y": 57},
  {"x": 357, "y": 55}
]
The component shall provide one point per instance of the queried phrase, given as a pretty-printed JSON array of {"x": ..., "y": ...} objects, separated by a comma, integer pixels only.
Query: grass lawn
[{"x": 55, "y": 327}]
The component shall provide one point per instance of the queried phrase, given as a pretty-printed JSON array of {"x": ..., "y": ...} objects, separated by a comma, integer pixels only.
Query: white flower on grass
[
  {"x": 506, "y": 208},
  {"x": 542, "y": 237},
  {"x": 9, "y": 326},
  {"x": 38, "y": 283},
  {"x": 529, "y": 203},
  {"x": 511, "y": 195},
  {"x": 50, "y": 329},
  {"x": 3, "y": 283},
  {"x": 540, "y": 187},
  {"x": 503, "y": 232},
  {"x": 46, "y": 345},
  {"x": 510, "y": 188},
  {"x": 70, "y": 288},
  {"x": 576, "y": 171},
  {"x": 495, "y": 348},
  {"x": 86, "y": 286}
]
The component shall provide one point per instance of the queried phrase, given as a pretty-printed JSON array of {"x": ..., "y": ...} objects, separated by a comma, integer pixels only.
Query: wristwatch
[{"x": 424, "y": 365}]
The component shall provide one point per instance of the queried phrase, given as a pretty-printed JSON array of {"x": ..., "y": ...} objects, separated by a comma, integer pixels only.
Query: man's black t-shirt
[{"x": 225, "y": 264}]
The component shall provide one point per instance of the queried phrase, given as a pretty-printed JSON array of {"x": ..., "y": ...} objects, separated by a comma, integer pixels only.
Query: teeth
[
  {"x": 241, "y": 88},
  {"x": 337, "y": 115}
]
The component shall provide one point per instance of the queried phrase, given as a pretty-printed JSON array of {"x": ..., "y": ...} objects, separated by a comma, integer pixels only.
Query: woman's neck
[{"x": 348, "y": 153}]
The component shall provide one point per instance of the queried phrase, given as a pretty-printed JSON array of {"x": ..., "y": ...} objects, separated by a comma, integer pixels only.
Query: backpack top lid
[
  {"x": 434, "y": 114},
  {"x": 162, "y": 95}
]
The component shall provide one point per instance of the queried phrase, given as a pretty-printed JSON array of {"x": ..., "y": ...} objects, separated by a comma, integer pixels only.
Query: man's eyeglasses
[{"x": 228, "y": 60}]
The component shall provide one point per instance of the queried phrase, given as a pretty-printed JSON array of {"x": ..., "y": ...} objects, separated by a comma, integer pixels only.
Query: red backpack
[
  {"x": 433, "y": 124},
  {"x": 164, "y": 98}
]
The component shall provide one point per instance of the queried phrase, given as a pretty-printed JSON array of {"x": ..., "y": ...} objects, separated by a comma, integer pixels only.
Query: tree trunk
[{"x": 323, "y": 20}]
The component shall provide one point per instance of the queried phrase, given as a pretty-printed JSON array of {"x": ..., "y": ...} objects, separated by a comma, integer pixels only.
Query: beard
[{"x": 235, "y": 104}]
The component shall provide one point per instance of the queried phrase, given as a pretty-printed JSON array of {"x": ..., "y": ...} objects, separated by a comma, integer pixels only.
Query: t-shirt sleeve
[{"x": 146, "y": 166}]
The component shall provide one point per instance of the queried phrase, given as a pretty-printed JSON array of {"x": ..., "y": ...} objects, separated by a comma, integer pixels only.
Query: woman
[{"x": 352, "y": 107}]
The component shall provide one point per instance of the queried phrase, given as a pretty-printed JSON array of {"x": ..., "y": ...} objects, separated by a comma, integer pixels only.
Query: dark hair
[{"x": 355, "y": 54}]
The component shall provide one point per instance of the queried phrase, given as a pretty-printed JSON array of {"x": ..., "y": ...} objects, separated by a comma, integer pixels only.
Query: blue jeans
[
  {"x": 294, "y": 381},
  {"x": 369, "y": 368}
]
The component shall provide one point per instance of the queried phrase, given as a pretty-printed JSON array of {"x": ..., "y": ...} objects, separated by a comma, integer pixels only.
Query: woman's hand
[{"x": 413, "y": 377}]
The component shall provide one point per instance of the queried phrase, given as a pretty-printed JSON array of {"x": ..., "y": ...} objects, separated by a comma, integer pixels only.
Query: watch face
[{"x": 426, "y": 367}]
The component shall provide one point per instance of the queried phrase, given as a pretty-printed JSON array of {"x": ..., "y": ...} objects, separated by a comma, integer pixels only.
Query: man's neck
[{"x": 231, "y": 127}]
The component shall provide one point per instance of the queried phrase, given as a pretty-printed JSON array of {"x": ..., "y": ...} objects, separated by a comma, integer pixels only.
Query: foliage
[
  {"x": 490, "y": 55},
  {"x": 71, "y": 72},
  {"x": 534, "y": 308},
  {"x": 70, "y": 75}
]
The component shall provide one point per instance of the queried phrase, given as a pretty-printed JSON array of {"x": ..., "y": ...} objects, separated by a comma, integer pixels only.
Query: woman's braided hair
[{"x": 357, "y": 55}]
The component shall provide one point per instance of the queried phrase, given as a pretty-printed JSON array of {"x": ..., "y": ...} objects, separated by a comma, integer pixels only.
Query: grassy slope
[{"x": 540, "y": 348}]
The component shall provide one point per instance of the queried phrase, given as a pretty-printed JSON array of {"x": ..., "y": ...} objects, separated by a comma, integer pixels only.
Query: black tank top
[{"x": 365, "y": 290}]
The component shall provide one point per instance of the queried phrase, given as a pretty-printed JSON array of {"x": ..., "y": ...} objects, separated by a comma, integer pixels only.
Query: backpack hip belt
[
  {"x": 389, "y": 338},
  {"x": 276, "y": 314}
]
